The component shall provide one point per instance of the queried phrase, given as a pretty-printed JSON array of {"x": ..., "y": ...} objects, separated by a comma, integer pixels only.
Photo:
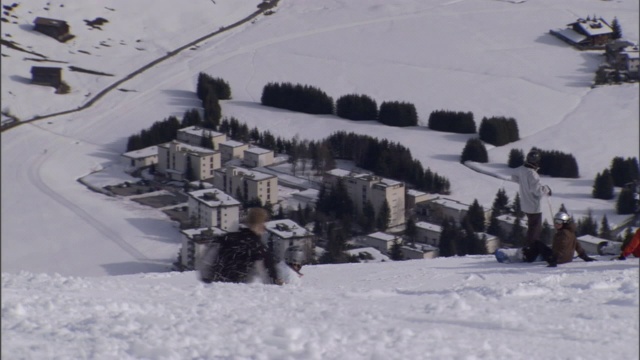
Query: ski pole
[{"x": 550, "y": 209}]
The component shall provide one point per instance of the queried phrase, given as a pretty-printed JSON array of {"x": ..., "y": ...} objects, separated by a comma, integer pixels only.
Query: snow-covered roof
[
  {"x": 190, "y": 233},
  {"x": 591, "y": 239},
  {"x": 258, "y": 151},
  {"x": 416, "y": 193},
  {"x": 382, "y": 236},
  {"x": 232, "y": 143},
  {"x": 214, "y": 198},
  {"x": 286, "y": 229},
  {"x": 570, "y": 34},
  {"x": 338, "y": 172},
  {"x": 451, "y": 204},
  {"x": 188, "y": 147},
  {"x": 428, "y": 226},
  {"x": 199, "y": 131},
  {"x": 594, "y": 27},
  {"x": 252, "y": 174},
  {"x": 142, "y": 153}
]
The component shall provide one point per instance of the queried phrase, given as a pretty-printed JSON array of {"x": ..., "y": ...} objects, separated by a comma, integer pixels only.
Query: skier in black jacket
[{"x": 242, "y": 257}]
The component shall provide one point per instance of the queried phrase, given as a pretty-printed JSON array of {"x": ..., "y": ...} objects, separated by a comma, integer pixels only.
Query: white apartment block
[
  {"x": 137, "y": 159},
  {"x": 247, "y": 184},
  {"x": 176, "y": 158},
  {"x": 194, "y": 243},
  {"x": 232, "y": 149},
  {"x": 193, "y": 135},
  {"x": 428, "y": 233},
  {"x": 255, "y": 156},
  {"x": 380, "y": 241},
  {"x": 214, "y": 208},
  {"x": 420, "y": 251},
  {"x": 284, "y": 233},
  {"x": 366, "y": 187}
]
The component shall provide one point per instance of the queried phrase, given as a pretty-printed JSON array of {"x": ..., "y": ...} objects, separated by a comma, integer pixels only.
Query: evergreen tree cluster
[
  {"x": 400, "y": 114},
  {"x": 617, "y": 29},
  {"x": 208, "y": 85},
  {"x": 356, "y": 107},
  {"x": 552, "y": 162},
  {"x": 386, "y": 159},
  {"x": 452, "y": 121},
  {"x": 474, "y": 150},
  {"x": 516, "y": 158},
  {"x": 160, "y": 132},
  {"x": 558, "y": 164},
  {"x": 498, "y": 130},
  {"x": 603, "y": 186},
  {"x": 624, "y": 171},
  {"x": 626, "y": 203},
  {"x": 301, "y": 98}
]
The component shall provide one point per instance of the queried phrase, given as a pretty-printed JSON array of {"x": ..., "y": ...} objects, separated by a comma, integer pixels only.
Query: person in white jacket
[{"x": 531, "y": 192}]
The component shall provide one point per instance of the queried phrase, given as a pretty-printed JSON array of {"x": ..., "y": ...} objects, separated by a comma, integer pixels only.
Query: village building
[
  {"x": 247, "y": 184},
  {"x": 57, "y": 29},
  {"x": 139, "y": 159},
  {"x": 414, "y": 197},
  {"x": 419, "y": 252},
  {"x": 586, "y": 34},
  {"x": 491, "y": 242},
  {"x": 428, "y": 233},
  {"x": 281, "y": 234},
  {"x": 363, "y": 188},
  {"x": 194, "y": 243},
  {"x": 255, "y": 157},
  {"x": 380, "y": 241},
  {"x": 180, "y": 161},
  {"x": 591, "y": 244},
  {"x": 438, "y": 209},
  {"x": 623, "y": 56},
  {"x": 197, "y": 136},
  {"x": 213, "y": 208},
  {"x": 232, "y": 149},
  {"x": 44, "y": 75}
]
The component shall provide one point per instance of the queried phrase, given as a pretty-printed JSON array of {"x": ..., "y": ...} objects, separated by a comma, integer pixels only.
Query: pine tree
[
  {"x": 626, "y": 204},
  {"x": 617, "y": 29},
  {"x": 476, "y": 216},
  {"x": 587, "y": 226},
  {"x": 603, "y": 186},
  {"x": 500, "y": 203},
  {"x": 396, "y": 251},
  {"x": 384, "y": 217},
  {"x": 411, "y": 230},
  {"x": 517, "y": 209},
  {"x": 517, "y": 236},
  {"x": 448, "y": 238},
  {"x": 605, "y": 229}
]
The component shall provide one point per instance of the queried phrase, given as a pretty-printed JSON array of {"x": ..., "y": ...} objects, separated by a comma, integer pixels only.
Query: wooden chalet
[
  {"x": 50, "y": 76},
  {"x": 586, "y": 34},
  {"x": 57, "y": 29}
]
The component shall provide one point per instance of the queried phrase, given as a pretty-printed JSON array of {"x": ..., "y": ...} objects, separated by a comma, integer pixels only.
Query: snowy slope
[{"x": 454, "y": 308}]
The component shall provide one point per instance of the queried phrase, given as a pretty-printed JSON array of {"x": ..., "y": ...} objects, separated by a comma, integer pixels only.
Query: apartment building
[
  {"x": 138, "y": 159},
  {"x": 372, "y": 188},
  {"x": 195, "y": 135},
  {"x": 247, "y": 184},
  {"x": 255, "y": 156},
  {"x": 284, "y": 233},
  {"x": 214, "y": 208},
  {"x": 194, "y": 243},
  {"x": 428, "y": 233},
  {"x": 232, "y": 149},
  {"x": 380, "y": 241},
  {"x": 180, "y": 161}
]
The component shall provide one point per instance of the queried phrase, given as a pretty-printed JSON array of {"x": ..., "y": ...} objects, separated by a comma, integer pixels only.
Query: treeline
[
  {"x": 498, "y": 130},
  {"x": 624, "y": 173},
  {"x": 452, "y": 121},
  {"x": 301, "y": 98},
  {"x": 553, "y": 163},
  {"x": 386, "y": 159}
]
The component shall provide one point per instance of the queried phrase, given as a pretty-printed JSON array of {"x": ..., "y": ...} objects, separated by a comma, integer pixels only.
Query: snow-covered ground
[{"x": 494, "y": 58}]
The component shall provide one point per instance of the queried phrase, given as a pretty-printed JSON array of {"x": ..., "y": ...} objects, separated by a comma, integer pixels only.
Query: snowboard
[{"x": 511, "y": 255}]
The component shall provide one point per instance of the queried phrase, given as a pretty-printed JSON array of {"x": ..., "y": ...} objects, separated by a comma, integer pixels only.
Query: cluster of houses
[
  {"x": 622, "y": 60},
  {"x": 231, "y": 171}
]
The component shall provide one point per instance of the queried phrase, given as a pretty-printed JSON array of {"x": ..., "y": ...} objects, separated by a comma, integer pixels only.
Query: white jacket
[{"x": 531, "y": 191}]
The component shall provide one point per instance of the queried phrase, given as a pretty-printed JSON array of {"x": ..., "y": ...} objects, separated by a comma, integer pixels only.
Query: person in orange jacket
[{"x": 633, "y": 247}]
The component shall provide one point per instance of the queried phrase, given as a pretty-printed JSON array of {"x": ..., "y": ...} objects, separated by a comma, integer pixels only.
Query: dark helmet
[
  {"x": 294, "y": 255},
  {"x": 533, "y": 157},
  {"x": 561, "y": 218}
]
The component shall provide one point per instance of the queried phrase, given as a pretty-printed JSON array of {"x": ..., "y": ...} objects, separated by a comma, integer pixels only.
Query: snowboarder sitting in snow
[
  {"x": 564, "y": 244},
  {"x": 633, "y": 247},
  {"x": 531, "y": 191},
  {"x": 241, "y": 257}
]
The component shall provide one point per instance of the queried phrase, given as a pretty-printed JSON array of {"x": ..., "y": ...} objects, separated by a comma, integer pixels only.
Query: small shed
[
  {"x": 43, "y": 75},
  {"x": 57, "y": 29}
]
